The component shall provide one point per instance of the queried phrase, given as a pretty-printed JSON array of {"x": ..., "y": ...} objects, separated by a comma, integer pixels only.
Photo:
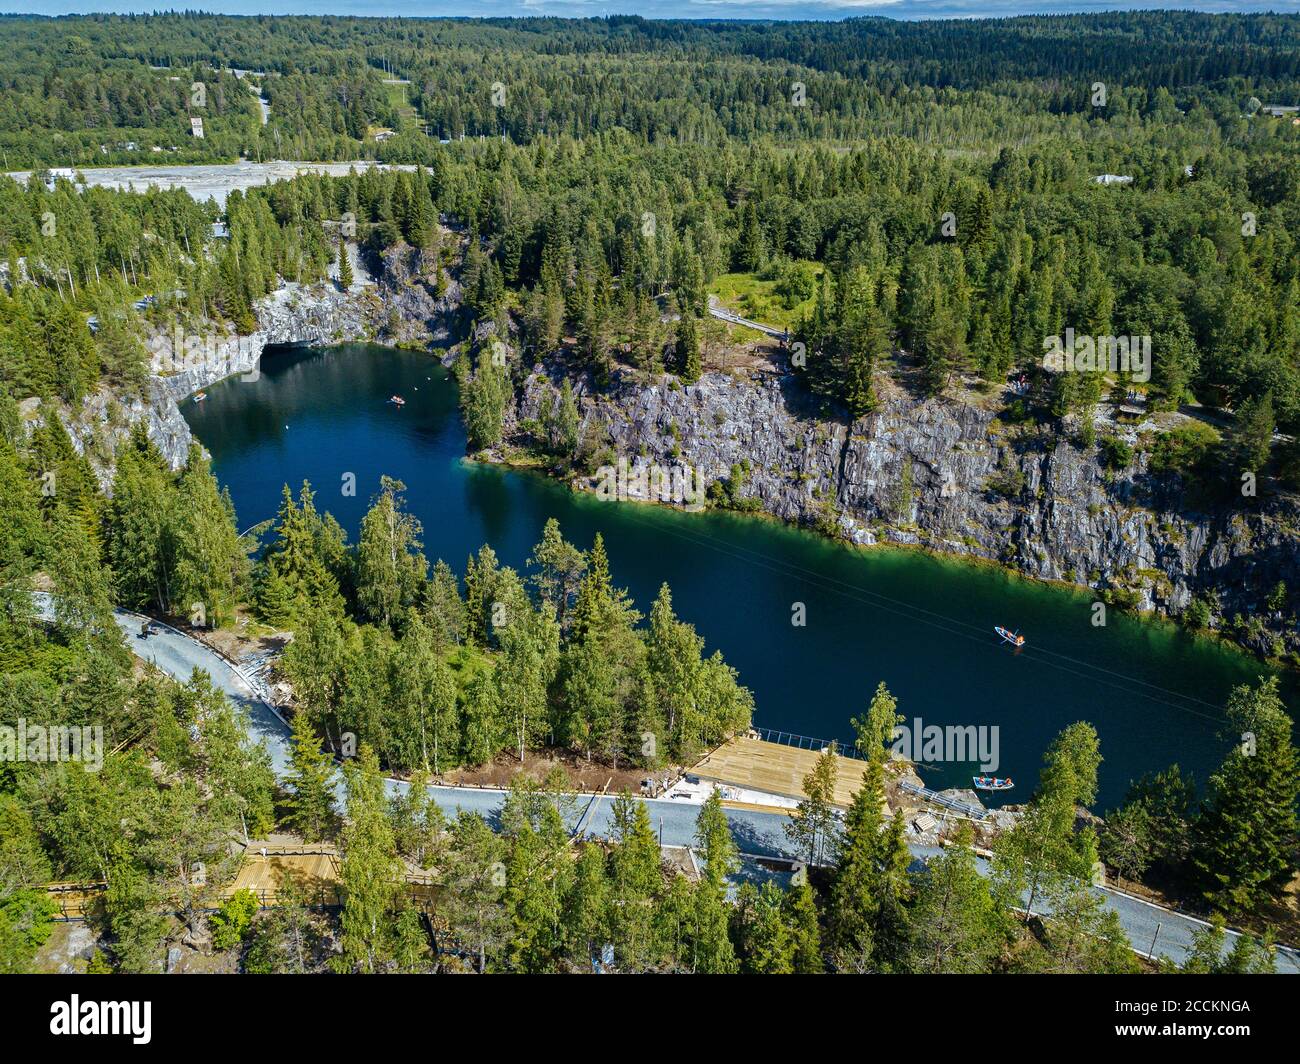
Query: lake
[{"x": 921, "y": 624}]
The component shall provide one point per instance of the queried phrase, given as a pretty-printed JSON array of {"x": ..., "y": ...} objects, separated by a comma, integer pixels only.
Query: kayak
[{"x": 1014, "y": 638}]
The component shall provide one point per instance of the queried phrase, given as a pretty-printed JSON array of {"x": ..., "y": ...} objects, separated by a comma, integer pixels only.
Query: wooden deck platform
[
  {"x": 776, "y": 769},
  {"x": 314, "y": 874}
]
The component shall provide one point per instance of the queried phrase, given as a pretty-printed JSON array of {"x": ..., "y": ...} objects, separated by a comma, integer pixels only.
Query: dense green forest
[
  {"x": 562, "y": 250},
  {"x": 979, "y": 83},
  {"x": 918, "y": 190},
  {"x": 425, "y": 676},
  {"x": 921, "y": 197}
]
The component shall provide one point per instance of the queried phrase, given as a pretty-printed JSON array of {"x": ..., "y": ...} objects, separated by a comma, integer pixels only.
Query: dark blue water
[{"x": 922, "y": 625}]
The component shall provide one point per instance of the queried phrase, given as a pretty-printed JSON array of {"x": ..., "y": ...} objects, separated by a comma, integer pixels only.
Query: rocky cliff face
[
  {"x": 394, "y": 304},
  {"x": 948, "y": 476}
]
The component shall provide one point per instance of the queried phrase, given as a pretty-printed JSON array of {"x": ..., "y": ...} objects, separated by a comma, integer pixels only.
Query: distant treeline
[{"x": 80, "y": 89}]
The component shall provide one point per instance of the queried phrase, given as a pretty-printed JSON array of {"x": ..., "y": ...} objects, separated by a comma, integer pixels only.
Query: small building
[
  {"x": 382, "y": 135},
  {"x": 1278, "y": 111},
  {"x": 1113, "y": 179}
]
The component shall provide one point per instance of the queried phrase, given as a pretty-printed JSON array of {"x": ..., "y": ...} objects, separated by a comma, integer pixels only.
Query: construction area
[
  {"x": 750, "y": 764},
  {"x": 307, "y": 873},
  {"x": 756, "y": 772}
]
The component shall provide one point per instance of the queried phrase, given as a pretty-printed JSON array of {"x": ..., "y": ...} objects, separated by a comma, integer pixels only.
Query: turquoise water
[{"x": 921, "y": 624}]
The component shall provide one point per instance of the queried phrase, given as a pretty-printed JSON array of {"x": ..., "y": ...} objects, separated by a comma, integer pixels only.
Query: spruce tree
[
  {"x": 714, "y": 841},
  {"x": 311, "y": 783},
  {"x": 686, "y": 349},
  {"x": 811, "y": 828},
  {"x": 801, "y": 913},
  {"x": 370, "y": 871},
  {"x": 345, "y": 267},
  {"x": 1245, "y": 837},
  {"x": 854, "y": 893}
]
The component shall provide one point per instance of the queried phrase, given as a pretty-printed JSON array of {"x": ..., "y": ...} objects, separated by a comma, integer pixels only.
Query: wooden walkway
[{"x": 776, "y": 769}]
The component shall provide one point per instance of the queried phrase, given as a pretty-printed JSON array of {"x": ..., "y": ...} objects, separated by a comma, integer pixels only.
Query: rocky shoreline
[
  {"x": 392, "y": 303},
  {"x": 947, "y": 476},
  {"x": 940, "y": 474}
]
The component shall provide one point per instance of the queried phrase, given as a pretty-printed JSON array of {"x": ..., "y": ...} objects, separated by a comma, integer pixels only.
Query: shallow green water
[{"x": 921, "y": 624}]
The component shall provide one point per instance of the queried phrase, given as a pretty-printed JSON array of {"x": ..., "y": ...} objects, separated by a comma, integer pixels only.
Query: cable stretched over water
[{"x": 950, "y": 625}]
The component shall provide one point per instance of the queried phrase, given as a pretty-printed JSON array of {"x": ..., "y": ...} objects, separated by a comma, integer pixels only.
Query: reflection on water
[{"x": 921, "y": 624}]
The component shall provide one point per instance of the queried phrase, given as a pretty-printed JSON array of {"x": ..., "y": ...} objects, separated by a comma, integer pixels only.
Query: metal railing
[
  {"x": 965, "y": 808},
  {"x": 808, "y": 742}
]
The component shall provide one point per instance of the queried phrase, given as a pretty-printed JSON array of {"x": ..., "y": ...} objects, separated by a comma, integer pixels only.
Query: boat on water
[
  {"x": 1014, "y": 638},
  {"x": 992, "y": 783},
  {"x": 397, "y": 400},
  {"x": 200, "y": 396}
]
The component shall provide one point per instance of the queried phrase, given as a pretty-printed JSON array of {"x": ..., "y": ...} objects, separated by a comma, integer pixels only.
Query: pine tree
[
  {"x": 484, "y": 396},
  {"x": 586, "y": 909},
  {"x": 485, "y": 729},
  {"x": 769, "y": 947},
  {"x": 390, "y": 568},
  {"x": 751, "y": 244},
  {"x": 137, "y": 521},
  {"x": 444, "y": 609},
  {"x": 1251, "y": 439},
  {"x": 210, "y": 564},
  {"x": 673, "y": 670},
  {"x": 891, "y": 926},
  {"x": 559, "y": 567},
  {"x": 1084, "y": 936},
  {"x": 475, "y": 879},
  {"x": 712, "y": 951},
  {"x": 875, "y": 730},
  {"x": 635, "y": 879},
  {"x": 595, "y": 593}
]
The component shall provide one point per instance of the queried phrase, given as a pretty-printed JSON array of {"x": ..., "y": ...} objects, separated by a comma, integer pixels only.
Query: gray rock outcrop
[
  {"x": 397, "y": 304},
  {"x": 948, "y": 476}
]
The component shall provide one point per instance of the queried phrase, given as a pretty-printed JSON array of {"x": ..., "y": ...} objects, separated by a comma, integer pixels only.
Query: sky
[{"x": 698, "y": 9}]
